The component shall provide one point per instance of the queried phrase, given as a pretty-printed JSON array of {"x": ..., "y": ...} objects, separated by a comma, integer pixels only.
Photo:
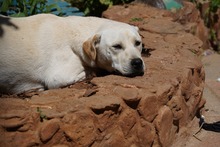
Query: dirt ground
[{"x": 110, "y": 110}]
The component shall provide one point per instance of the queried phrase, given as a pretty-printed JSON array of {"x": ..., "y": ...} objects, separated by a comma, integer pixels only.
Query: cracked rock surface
[{"x": 111, "y": 110}]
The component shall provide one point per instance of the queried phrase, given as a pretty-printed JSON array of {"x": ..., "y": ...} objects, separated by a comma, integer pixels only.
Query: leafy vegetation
[
  {"x": 19, "y": 8},
  {"x": 95, "y": 7},
  {"x": 211, "y": 18},
  {"x": 42, "y": 116},
  {"x": 135, "y": 19}
]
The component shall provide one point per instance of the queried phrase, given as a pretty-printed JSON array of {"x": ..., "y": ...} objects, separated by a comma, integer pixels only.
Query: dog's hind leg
[{"x": 27, "y": 87}]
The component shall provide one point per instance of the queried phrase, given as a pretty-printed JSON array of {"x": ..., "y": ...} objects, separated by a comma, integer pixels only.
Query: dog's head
[{"x": 116, "y": 48}]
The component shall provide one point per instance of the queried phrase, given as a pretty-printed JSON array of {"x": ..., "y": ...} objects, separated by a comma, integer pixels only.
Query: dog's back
[
  {"x": 30, "y": 46},
  {"x": 19, "y": 55}
]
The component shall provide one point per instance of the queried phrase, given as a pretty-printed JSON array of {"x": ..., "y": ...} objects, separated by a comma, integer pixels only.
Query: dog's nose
[{"x": 137, "y": 64}]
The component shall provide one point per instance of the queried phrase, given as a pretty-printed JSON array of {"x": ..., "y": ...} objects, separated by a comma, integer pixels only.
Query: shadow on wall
[
  {"x": 215, "y": 127},
  {"x": 6, "y": 21}
]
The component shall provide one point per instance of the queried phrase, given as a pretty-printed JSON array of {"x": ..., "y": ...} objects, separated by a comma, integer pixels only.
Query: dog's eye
[
  {"x": 137, "y": 43},
  {"x": 117, "y": 46}
]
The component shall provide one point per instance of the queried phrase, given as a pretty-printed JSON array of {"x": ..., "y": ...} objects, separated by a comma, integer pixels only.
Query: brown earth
[{"x": 111, "y": 110}]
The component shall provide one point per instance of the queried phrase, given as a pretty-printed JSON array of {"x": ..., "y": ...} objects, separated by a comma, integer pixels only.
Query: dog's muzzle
[{"x": 137, "y": 67}]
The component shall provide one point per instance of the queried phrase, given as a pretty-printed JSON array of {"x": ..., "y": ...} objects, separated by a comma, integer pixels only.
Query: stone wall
[{"x": 111, "y": 110}]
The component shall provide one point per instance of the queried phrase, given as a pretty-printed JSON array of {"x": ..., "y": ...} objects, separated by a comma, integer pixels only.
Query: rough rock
[
  {"x": 49, "y": 129},
  {"x": 111, "y": 110},
  {"x": 191, "y": 19},
  {"x": 164, "y": 126}
]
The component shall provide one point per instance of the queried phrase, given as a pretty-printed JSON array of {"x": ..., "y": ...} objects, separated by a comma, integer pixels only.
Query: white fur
[{"x": 46, "y": 51}]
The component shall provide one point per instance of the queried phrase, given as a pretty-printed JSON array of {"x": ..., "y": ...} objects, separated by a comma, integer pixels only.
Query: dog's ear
[
  {"x": 89, "y": 46},
  {"x": 136, "y": 28}
]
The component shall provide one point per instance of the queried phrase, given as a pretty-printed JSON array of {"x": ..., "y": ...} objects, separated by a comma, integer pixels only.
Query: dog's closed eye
[
  {"x": 137, "y": 43},
  {"x": 117, "y": 46}
]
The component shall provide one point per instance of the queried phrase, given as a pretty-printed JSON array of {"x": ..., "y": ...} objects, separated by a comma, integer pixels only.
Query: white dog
[{"x": 46, "y": 51}]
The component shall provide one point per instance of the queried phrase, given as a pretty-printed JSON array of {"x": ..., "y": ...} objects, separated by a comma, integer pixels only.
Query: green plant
[
  {"x": 95, "y": 7},
  {"x": 42, "y": 116},
  {"x": 211, "y": 18},
  {"x": 210, "y": 14},
  {"x": 135, "y": 19},
  {"x": 19, "y": 8}
]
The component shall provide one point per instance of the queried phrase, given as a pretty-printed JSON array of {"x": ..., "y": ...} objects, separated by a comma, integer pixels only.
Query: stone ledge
[{"x": 113, "y": 110}]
